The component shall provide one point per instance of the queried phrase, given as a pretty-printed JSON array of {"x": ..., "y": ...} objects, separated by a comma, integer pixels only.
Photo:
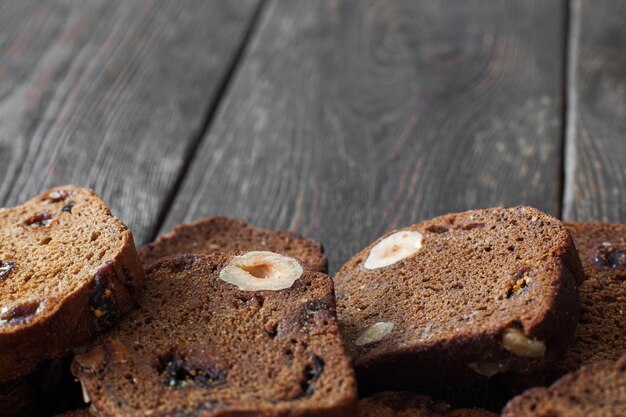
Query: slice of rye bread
[
  {"x": 225, "y": 234},
  {"x": 67, "y": 271},
  {"x": 406, "y": 404},
  {"x": 597, "y": 389},
  {"x": 442, "y": 315},
  {"x": 198, "y": 345},
  {"x": 601, "y": 328}
]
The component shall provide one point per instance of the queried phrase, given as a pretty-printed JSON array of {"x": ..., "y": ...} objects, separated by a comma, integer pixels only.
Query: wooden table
[{"x": 336, "y": 119}]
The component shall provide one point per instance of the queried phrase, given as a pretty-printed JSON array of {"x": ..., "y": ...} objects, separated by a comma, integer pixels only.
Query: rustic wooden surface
[
  {"x": 111, "y": 95},
  {"x": 338, "y": 120},
  {"x": 348, "y": 119},
  {"x": 596, "y": 141}
]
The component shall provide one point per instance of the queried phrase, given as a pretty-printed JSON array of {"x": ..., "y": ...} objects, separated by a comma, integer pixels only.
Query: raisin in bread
[
  {"x": 462, "y": 295},
  {"x": 595, "y": 390},
  {"x": 68, "y": 269},
  {"x": 253, "y": 334},
  {"x": 600, "y": 332},
  {"x": 224, "y": 234},
  {"x": 406, "y": 404}
]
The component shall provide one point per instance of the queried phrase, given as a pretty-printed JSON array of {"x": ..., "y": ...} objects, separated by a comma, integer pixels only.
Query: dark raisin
[
  {"x": 609, "y": 256},
  {"x": 271, "y": 329},
  {"x": 21, "y": 312},
  {"x": 312, "y": 313},
  {"x": 312, "y": 373},
  {"x": 68, "y": 207},
  {"x": 178, "y": 372},
  {"x": 57, "y": 196},
  {"x": 473, "y": 225},
  {"x": 183, "y": 262},
  {"x": 437, "y": 229},
  {"x": 129, "y": 282},
  {"x": 40, "y": 219},
  {"x": 6, "y": 269},
  {"x": 102, "y": 302}
]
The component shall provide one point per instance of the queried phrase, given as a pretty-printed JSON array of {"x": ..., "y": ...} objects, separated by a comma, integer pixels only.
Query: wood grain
[
  {"x": 348, "y": 119},
  {"x": 110, "y": 94},
  {"x": 596, "y": 136}
]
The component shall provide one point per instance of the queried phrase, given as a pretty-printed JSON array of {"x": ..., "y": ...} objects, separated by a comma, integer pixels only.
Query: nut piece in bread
[{"x": 261, "y": 270}]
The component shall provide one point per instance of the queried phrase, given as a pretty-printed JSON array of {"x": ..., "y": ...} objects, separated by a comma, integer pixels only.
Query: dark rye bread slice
[
  {"x": 601, "y": 331},
  {"x": 489, "y": 291},
  {"x": 406, "y": 404},
  {"x": 67, "y": 270},
  {"x": 225, "y": 234},
  {"x": 200, "y": 346},
  {"x": 595, "y": 390}
]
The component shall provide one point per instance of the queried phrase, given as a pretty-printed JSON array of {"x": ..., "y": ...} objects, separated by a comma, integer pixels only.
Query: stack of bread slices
[{"x": 502, "y": 310}]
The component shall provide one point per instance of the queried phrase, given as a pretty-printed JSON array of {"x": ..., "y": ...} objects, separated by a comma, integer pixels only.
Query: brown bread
[
  {"x": 595, "y": 390},
  {"x": 488, "y": 291},
  {"x": 199, "y": 345},
  {"x": 601, "y": 329},
  {"x": 225, "y": 234},
  {"x": 406, "y": 404},
  {"x": 67, "y": 271}
]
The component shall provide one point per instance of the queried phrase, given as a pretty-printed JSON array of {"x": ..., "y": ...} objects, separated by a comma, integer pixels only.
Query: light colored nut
[
  {"x": 487, "y": 369},
  {"x": 394, "y": 248},
  {"x": 92, "y": 361},
  {"x": 518, "y": 344},
  {"x": 374, "y": 333},
  {"x": 261, "y": 270},
  {"x": 86, "y": 398}
]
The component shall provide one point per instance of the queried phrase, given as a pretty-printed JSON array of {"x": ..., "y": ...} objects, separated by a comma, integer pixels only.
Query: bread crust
[
  {"x": 226, "y": 234},
  {"x": 74, "y": 318}
]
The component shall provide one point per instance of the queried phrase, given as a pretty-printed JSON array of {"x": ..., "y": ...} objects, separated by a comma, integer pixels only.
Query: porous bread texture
[
  {"x": 68, "y": 269},
  {"x": 198, "y": 345},
  {"x": 601, "y": 329},
  {"x": 225, "y": 234},
  {"x": 406, "y": 404},
  {"x": 595, "y": 390},
  {"x": 447, "y": 308}
]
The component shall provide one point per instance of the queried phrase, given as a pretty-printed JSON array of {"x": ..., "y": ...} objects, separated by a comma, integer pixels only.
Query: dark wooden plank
[
  {"x": 595, "y": 183},
  {"x": 348, "y": 119},
  {"x": 110, "y": 94}
]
